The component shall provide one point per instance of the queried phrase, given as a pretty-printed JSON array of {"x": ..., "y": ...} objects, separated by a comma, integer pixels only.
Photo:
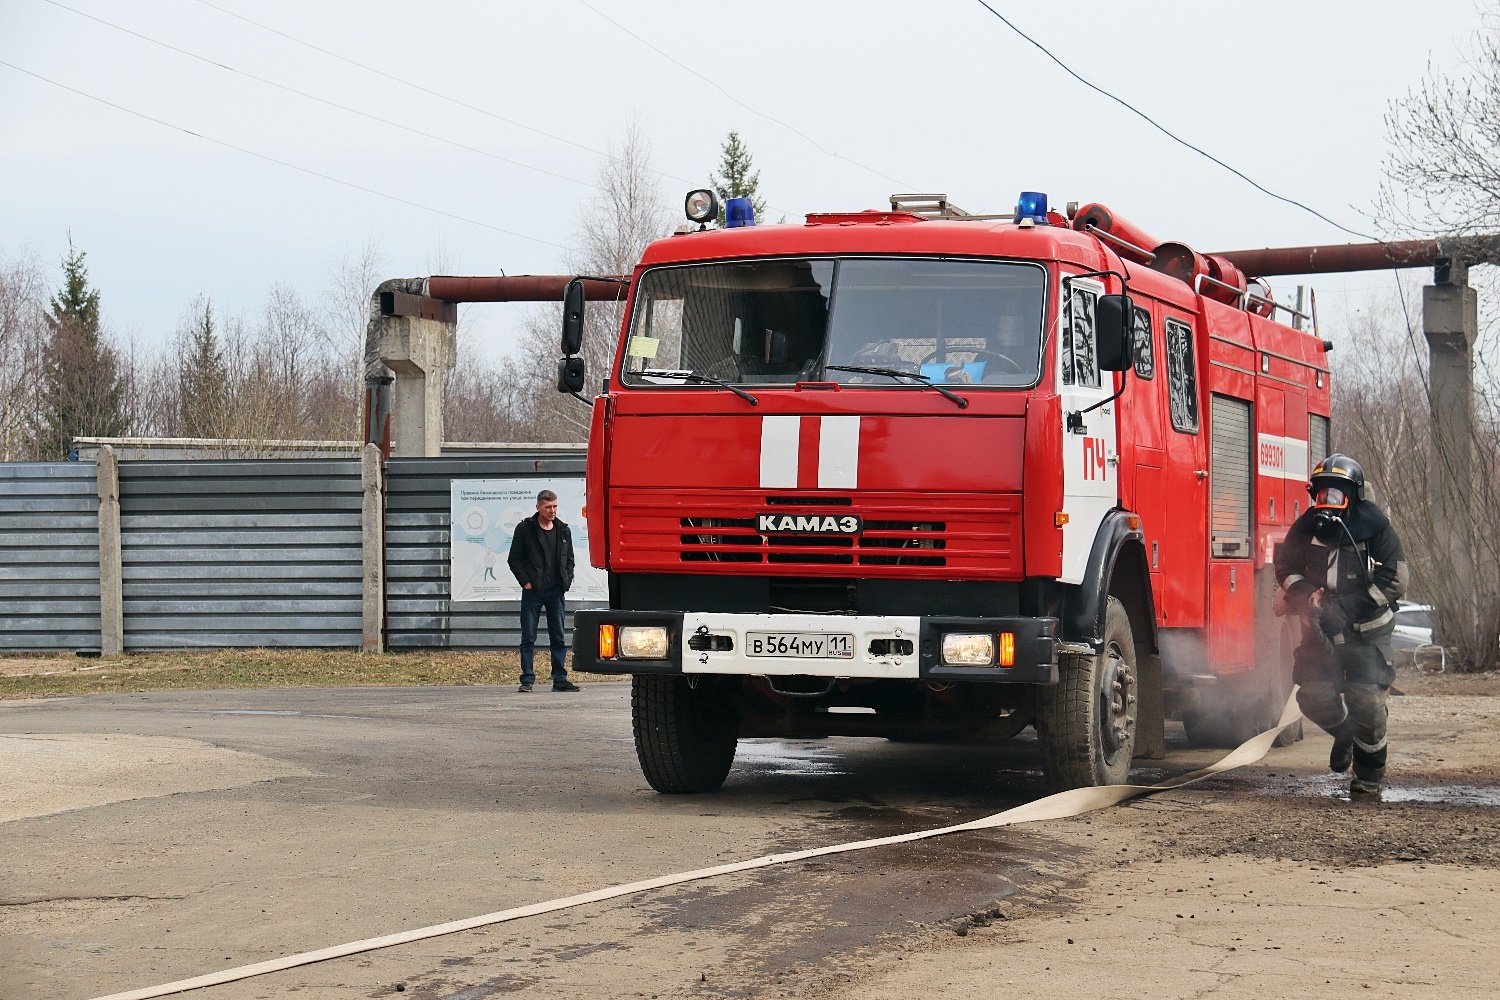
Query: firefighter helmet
[{"x": 1336, "y": 482}]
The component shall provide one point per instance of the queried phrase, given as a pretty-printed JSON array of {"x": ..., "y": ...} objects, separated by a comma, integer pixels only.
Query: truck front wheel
[
  {"x": 1086, "y": 723},
  {"x": 685, "y": 735}
]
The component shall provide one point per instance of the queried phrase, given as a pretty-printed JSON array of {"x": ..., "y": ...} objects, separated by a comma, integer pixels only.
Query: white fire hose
[{"x": 1058, "y": 806}]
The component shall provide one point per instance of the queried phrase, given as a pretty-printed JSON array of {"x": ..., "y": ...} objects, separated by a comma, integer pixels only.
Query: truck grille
[
  {"x": 884, "y": 543},
  {"x": 975, "y": 534}
]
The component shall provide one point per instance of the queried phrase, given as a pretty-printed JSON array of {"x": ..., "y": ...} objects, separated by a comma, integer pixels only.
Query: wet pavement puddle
[
  {"x": 1336, "y": 786},
  {"x": 782, "y": 757}
]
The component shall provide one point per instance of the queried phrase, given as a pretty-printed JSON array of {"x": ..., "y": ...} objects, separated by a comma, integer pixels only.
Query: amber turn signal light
[
  {"x": 1007, "y": 649},
  {"x": 606, "y": 642},
  {"x": 1059, "y": 519}
]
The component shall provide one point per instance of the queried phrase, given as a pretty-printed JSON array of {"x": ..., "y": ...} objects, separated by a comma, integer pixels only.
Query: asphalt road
[{"x": 274, "y": 822}]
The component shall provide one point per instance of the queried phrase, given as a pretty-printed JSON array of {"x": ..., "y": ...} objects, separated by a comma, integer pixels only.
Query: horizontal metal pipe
[
  {"x": 521, "y": 288},
  {"x": 1335, "y": 258},
  {"x": 1364, "y": 256}
]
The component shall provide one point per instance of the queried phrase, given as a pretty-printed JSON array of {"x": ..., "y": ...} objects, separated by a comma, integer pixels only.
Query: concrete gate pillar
[
  {"x": 1450, "y": 320},
  {"x": 413, "y": 339}
]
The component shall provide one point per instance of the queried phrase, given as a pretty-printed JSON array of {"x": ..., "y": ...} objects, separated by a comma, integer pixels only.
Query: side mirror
[
  {"x": 570, "y": 375},
  {"x": 1113, "y": 333},
  {"x": 572, "y": 327}
]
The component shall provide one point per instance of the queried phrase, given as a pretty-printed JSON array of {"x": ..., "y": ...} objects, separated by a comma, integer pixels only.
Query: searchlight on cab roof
[{"x": 702, "y": 206}]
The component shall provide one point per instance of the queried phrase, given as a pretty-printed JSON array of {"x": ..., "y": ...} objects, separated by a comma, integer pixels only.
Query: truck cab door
[
  {"x": 1090, "y": 449},
  {"x": 1184, "y": 544}
]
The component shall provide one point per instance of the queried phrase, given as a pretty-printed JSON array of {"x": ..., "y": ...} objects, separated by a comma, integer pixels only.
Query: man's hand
[
  {"x": 525, "y": 586},
  {"x": 1288, "y": 603}
]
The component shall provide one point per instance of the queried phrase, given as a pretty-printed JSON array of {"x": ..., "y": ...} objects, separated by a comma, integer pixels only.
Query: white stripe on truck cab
[{"x": 779, "y": 438}]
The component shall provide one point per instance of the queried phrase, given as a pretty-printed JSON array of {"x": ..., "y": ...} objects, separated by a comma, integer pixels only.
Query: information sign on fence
[{"x": 485, "y": 513}]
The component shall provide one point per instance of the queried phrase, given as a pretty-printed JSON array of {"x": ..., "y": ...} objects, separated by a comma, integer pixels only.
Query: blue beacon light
[
  {"x": 739, "y": 212},
  {"x": 1032, "y": 205}
]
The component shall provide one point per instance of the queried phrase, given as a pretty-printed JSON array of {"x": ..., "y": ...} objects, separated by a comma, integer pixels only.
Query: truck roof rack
[{"x": 937, "y": 206}]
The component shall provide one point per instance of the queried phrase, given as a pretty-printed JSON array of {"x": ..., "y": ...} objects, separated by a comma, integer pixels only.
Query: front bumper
[{"x": 878, "y": 650}]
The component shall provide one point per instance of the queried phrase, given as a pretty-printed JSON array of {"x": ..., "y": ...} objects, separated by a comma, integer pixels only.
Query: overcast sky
[{"x": 841, "y": 102}]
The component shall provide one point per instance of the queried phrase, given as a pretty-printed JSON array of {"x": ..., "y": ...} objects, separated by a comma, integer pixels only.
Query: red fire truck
[{"x": 918, "y": 474}]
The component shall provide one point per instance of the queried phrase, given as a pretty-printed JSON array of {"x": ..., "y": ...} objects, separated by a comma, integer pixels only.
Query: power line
[
  {"x": 1164, "y": 130},
  {"x": 319, "y": 100},
  {"x": 280, "y": 162},
  {"x": 1423, "y": 376},
  {"x": 419, "y": 87},
  {"x": 770, "y": 118}
]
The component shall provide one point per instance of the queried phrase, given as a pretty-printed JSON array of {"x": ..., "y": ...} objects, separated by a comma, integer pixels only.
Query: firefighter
[{"x": 1342, "y": 569}]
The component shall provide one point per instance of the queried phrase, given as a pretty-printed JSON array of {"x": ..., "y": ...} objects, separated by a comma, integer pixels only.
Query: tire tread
[{"x": 674, "y": 757}]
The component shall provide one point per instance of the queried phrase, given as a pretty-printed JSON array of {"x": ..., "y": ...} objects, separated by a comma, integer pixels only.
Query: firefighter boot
[
  {"x": 1342, "y": 754},
  {"x": 1369, "y": 770}
]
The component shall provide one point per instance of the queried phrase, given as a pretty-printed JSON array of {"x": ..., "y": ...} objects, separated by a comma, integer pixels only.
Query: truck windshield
[{"x": 779, "y": 322}]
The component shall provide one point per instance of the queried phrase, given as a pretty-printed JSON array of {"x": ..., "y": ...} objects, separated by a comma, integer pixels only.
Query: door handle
[{"x": 1201, "y": 473}]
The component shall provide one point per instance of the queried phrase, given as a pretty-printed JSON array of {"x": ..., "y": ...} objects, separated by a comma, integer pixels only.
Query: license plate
[{"x": 806, "y": 645}]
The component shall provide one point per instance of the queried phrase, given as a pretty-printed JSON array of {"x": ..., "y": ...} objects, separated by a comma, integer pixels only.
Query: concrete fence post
[
  {"x": 111, "y": 570},
  {"x": 416, "y": 350},
  {"x": 372, "y": 520},
  {"x": 1450, "y": 321}
]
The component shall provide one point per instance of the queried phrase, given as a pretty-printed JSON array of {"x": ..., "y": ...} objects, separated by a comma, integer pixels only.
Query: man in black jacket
[
  {"x": 1342, "y": 569},
  {"x": 541, "y": 557}
]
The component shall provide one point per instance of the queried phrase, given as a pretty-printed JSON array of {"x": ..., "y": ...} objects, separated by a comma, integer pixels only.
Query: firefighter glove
[{"x": 1333, "y": 619}]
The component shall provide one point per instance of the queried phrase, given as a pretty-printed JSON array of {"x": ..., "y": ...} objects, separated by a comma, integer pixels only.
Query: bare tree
[
  {"x": 317, "y": 394},
  {"x": 612, "y": 232},
  {"x": 351, "y": 281},
  {"x": 1382, "y": 415},
  {"x": 23, "y": 297}
]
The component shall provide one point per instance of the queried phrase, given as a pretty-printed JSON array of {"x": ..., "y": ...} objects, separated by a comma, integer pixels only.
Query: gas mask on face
[{"x": 1329, "y": 504}]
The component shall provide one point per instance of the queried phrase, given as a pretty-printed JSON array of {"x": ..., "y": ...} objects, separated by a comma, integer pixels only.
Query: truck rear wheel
[
  {"x": 1086, "y": 723},
  {"x": 685, "y": 735}
]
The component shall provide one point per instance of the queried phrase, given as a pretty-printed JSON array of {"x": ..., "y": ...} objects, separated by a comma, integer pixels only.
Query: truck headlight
[
  {"x": 643, "y": 642},
  {"x": 969, "y": 649}
]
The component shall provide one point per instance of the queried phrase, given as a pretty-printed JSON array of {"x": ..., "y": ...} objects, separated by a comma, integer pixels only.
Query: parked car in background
[
  {"x": 1411, "y": 639},
  {"x": 1413, "y": 625}
]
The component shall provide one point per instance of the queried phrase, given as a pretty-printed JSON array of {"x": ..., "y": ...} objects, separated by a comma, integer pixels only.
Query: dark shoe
[
  {"x": 565, "y": 686},
  {"x": 1362, "y": 788},
  {"x": 1342, "y": 756},
  {"x": 524, "y": 689}
]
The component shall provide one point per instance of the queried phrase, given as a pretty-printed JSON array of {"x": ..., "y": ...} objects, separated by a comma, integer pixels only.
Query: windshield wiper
[
  {"x": 898, "y": 373},
  {"x": 695, "y": 377}
]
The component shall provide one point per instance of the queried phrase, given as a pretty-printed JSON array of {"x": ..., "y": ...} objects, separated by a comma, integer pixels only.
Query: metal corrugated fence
[
  {"x": 246, "y": 553},
  {"x": 261, "y": 552},
  {"x": 419, "y": 613},
  {"x": 49, "y": 556}
]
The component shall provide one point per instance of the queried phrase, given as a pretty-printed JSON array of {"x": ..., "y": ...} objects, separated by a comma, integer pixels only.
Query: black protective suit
[{"x": 1343, "y": 665}]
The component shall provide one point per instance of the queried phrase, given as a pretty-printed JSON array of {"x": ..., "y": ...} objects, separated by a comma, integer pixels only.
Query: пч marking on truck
[{"x": 965, "y": 474}]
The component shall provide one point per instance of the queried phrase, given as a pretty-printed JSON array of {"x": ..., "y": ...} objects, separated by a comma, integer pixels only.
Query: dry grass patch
[{"x": 41, "y": 677}]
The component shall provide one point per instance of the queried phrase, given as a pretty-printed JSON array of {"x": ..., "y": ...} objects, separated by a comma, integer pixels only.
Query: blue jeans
[{"x": 532, "y": 603}]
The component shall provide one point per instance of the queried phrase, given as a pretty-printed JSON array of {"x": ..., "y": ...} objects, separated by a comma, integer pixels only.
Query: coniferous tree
[
  {"x": 82, "y": 388},
  {"x": 202, "y": 378},
  {"x": 735, "y": 178}
]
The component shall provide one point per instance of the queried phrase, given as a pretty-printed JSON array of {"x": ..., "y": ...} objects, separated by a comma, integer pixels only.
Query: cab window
[
  {"x": 1080, "y": 361},
  {"x": 1182, "y": 376},
  {"x": 1145, "y": 356}
]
